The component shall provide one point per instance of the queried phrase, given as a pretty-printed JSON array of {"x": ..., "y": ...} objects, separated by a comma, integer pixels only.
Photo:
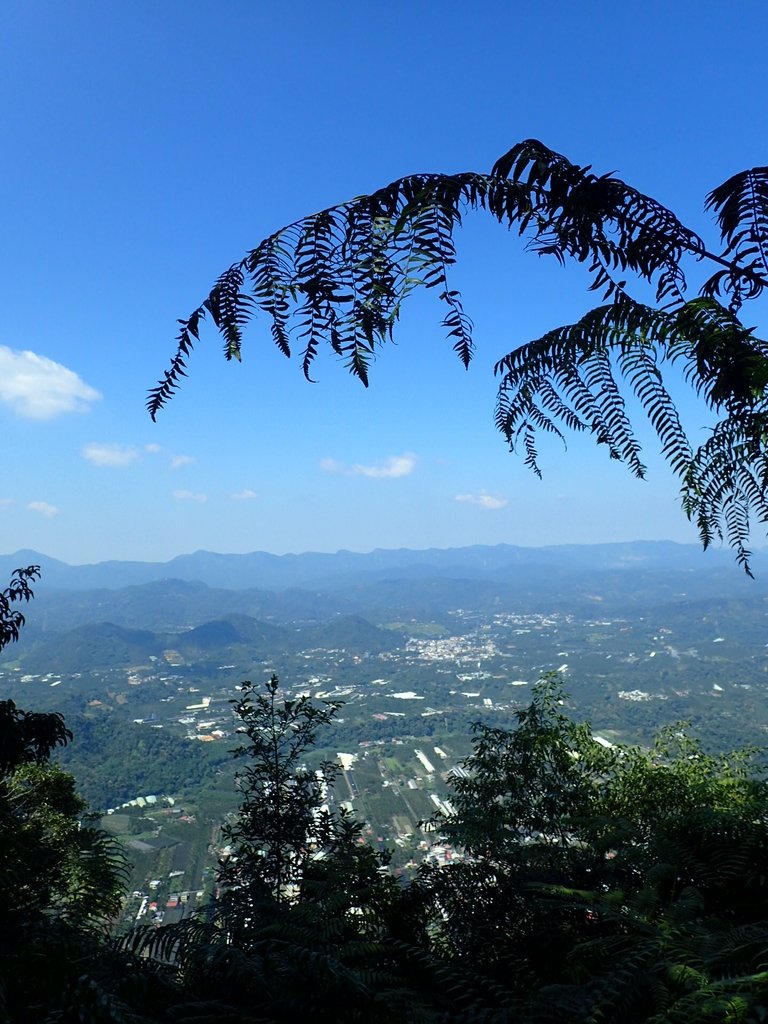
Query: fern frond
[
  {"x": 167, "y": 387},
  {"x": 345, "y": 271},
  {"x": 340, "y": 277},
  {"x": 726, "y": 363},
  {"x": 600, "y": 220},
  {"x": 726, "y": 483},
  {"x": 571, "y": 370},
  {"x": 569, "y": 375},
  {"x": 740, "y": 205},
  {"x": 230, "y": 308}
]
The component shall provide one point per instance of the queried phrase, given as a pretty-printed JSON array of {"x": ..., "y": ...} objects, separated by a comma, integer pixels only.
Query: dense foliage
[
  {"x": 596, "y": 884},
  {"x": 115, "y": 761},
  {"x": 61, "y": 877},
  {"x": 340, "y": 277},
  {"x": 607, "y": 883}
]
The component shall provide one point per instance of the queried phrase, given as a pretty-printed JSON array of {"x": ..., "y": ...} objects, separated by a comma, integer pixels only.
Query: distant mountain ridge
[
  {"x": 357, "y": 603},
  {"x": 259, "y": 569},
  {"x": 384, "y": 586}
]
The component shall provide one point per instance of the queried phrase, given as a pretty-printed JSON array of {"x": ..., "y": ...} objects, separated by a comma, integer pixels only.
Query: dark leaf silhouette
[{"x": 340, "y": 277}]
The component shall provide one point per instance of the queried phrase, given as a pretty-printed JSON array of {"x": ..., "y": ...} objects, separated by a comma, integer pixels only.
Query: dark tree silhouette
[
  {"x": 61, "y": 876},
  {"x": 340, "y": 277}
]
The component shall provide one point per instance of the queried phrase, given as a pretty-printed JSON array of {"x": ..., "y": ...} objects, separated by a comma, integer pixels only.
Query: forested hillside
[{"x": 117, "y": 761}]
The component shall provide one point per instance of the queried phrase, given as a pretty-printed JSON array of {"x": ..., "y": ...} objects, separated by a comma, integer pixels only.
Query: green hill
[{"x": 99, "y": 646}]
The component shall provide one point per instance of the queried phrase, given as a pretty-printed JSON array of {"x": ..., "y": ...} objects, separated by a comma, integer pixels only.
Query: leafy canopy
[
  {"x": 283, "y": 821},
  {"x": 61, "y": 876},
  {"x": 588, "y": 884},
  {"x": 298, "y": 927},
  {"x": 24, "y": 735},
  {"x": 605, "y": 883},
  {"x": 339, "y": 277}
]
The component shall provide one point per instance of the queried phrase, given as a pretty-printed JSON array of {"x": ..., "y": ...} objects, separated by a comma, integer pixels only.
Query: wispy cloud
[
  {"x": 43, "y": 508},
  {"x": 7, "y": 501},
  {"x": 110, "y": 454},
  {"x": 190, "y": 496},
  {"x": 39, "y": 388},
  {"x": 482, "y": 500},
  {"x": 244, "y": 495},
  {"x": 124, "y": 455},
  {"x": 393, "y": 466},
  {"x": 174, "y": 461}
]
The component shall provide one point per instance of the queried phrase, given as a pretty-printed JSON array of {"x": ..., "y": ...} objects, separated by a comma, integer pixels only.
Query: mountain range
[
  {"x": 315, "y": 570},
  {"x": 114, "y": 613}
]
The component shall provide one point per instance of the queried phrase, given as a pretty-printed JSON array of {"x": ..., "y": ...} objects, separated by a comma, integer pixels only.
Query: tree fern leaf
[
  {"x": 340, "y": 277},
  {"x": 740, "y": 205}
]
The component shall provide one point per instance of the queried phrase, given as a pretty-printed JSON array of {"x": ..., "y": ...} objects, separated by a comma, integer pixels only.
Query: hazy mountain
[
  {"x": 96, "y": 646},
  {"x": 312, "y": 570},
  {"x": 235, "y": 630},
  {"x": 349, "y": 632},
  {"x": 173, "y": 605},
  {"x": 359, "y": 593},
  {"x": 103, "y": 645}
]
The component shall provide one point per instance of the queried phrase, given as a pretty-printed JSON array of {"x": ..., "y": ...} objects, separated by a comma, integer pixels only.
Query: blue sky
[{"x": 148, "y": 145}]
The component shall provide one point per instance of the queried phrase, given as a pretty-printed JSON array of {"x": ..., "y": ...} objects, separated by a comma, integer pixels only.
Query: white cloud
[
  {"x": 244, "y": 495},
  {"x": 43, "y": 508},
  {"x": 190, "y": 496},
  {"x": 392, "y": 467},
  {"x": 7, "y": 501},
  {"x": 174, "y": 461},
  {"x": 482, "y": 500},
  {"x": 38, "y": 388},
  {"x": 110, "y": 454}
]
